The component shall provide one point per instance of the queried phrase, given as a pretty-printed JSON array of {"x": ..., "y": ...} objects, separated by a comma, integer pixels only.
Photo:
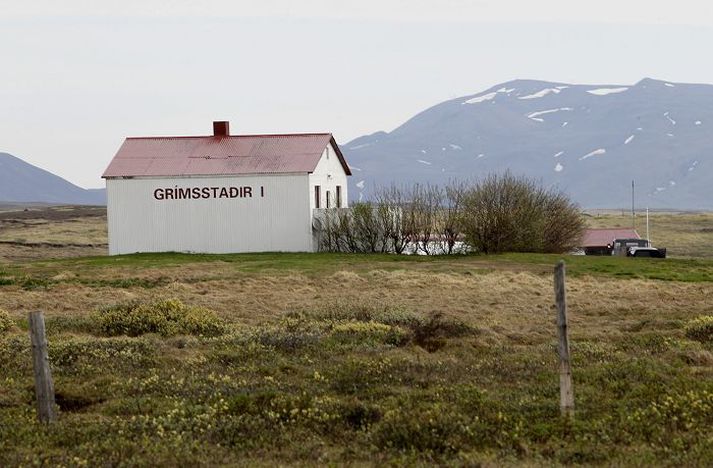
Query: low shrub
[
  {"x": 87, "y": 355},
  {"x": 430, "y": 429},
  {"x": 6, "y": 322},
  {"x": 663, "y": 419},
  {"x": 398, "y": 325},
  {"x": 69, "y": 324},
  {"x": 166, "y": 317},
  {"x": 431, "y": 332},
  {"x": 363, "y": 312},
  {"x": 700, "y": 329},
  {"x": 30, "y": 283},
  {"x": 370, "y": 332}
]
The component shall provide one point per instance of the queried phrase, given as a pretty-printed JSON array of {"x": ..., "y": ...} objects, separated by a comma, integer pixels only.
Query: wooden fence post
[
  {"x": 44, "y": 389},
  {"x": 566, "y": 391}
]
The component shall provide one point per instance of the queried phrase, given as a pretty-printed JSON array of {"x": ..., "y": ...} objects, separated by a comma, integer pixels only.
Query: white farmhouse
[{"x": 222, "y": 193}]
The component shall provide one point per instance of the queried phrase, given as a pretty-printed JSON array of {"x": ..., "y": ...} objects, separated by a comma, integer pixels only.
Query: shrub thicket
[
  {"x": 6, "y": 322},
  {"x": 505, "y": 213},
  {"x": 167, "y": 318},
  {"x": 497, "y": 214},
  {"x": 420, "y": 219},
  {"x": 700, "y": 329}
]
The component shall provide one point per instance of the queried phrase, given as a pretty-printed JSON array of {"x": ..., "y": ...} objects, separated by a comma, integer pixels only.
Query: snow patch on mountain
[
  {"x": 428, "y": 163},
  {"x": 605, "y": 91},
  {"x": 488, "y": 96},
  {"x": 629, "y": 140},
  {"x": 596, "y": 152},
  {"x": 360, "y": 184},
  {"x": 698, "y": 122},
  {"x": 541, "y": 93},
  {"x": 670, "y": 85},
  {"x": 557, "y": 155},
  {"x": 455, "y": 147},
  {"x": 535, "y": 115},
  {"x": 483, "y": 98},
  {"x": 673, "y": 122},
  {"x": 559, "y": 167}
]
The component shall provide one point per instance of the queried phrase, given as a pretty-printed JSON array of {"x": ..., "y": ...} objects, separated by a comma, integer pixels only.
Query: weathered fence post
[
  {"x": 44, "y": 390},
  {"x": 566, "y": 391}
]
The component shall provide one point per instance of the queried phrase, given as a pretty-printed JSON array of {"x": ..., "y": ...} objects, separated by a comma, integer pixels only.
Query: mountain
[
  {"x": 23, "y": 182},
  {"x": 589, "y": 141}
]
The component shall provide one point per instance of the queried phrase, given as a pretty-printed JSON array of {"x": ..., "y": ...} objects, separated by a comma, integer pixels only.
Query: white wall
[
  {"x": 279, "y": 221},
  {"x": 328, "y": 174}
]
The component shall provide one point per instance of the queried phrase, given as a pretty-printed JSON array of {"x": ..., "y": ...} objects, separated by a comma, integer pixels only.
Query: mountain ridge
[
  {"x": 587, "y": 140},
  {"x": 22, "y": 182}
]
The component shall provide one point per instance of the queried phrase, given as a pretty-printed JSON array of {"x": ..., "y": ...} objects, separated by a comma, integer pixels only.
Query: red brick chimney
[{"x": 221, "y": 128}]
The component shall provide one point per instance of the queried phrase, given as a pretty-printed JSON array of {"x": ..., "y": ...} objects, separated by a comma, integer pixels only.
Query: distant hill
[
  {"x": 23, "y": 182},
  {"x": 589, "y": 141}
]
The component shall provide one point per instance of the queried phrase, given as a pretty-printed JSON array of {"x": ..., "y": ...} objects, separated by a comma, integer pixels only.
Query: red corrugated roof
[
  {"x": 226, "y": 155},
  {"x": 602, "y": 237}
]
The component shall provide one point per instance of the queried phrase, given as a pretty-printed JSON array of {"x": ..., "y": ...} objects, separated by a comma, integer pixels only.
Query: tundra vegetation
[
  {"x": 330, "y": 358},
  {"x": 500, "y": 213}
]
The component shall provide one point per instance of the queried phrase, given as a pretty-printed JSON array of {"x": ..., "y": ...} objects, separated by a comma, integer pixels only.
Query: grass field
[{"x": 314, "y": 359}]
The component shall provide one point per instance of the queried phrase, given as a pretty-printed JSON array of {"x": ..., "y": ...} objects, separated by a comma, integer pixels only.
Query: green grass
[
  {"x": 38, "y": 274},
  {"x": 669, "y": 269}
]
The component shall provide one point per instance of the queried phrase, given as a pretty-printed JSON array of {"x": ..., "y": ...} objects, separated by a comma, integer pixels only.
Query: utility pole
[
  {"x": 648, "y": 237},
  {"x": 633, "y": 213}
]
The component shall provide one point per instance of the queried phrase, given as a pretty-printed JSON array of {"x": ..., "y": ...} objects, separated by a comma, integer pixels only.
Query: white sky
[{"x": 77, "y": 76}]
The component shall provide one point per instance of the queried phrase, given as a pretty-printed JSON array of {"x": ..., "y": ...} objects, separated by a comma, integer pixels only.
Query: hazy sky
[{"x": 77, "y": 77}]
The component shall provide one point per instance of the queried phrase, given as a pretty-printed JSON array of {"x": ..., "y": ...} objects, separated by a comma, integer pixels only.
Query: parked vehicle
[{"x": 636, "y": 248}]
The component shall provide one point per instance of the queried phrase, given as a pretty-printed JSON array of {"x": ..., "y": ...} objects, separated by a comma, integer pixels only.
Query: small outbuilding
[
  {"x": 601, "y": 241},
  {"x": 222, "y": 193}
]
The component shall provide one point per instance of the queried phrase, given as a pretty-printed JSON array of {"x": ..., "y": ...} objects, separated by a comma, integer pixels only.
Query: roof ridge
[{"x": 265, "y": 135}]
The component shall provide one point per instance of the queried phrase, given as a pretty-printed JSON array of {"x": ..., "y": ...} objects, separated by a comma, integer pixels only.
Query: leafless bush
[
  {"x": 449, "y": 226},
  {"x": 397, "y": 221},
  {"x": 364, "y": 227},
  {"x": 426, "y": 201}
]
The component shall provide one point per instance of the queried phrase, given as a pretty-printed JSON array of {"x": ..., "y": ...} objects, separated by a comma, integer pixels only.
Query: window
[
  {"x": 329, "y": 199},
  {"x": 339, "y": 196},
  {"x": 317, "y": 196}
]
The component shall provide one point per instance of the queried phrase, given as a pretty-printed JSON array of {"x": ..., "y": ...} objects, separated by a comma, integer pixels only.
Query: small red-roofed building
[{"x": 601, "y": 241}]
